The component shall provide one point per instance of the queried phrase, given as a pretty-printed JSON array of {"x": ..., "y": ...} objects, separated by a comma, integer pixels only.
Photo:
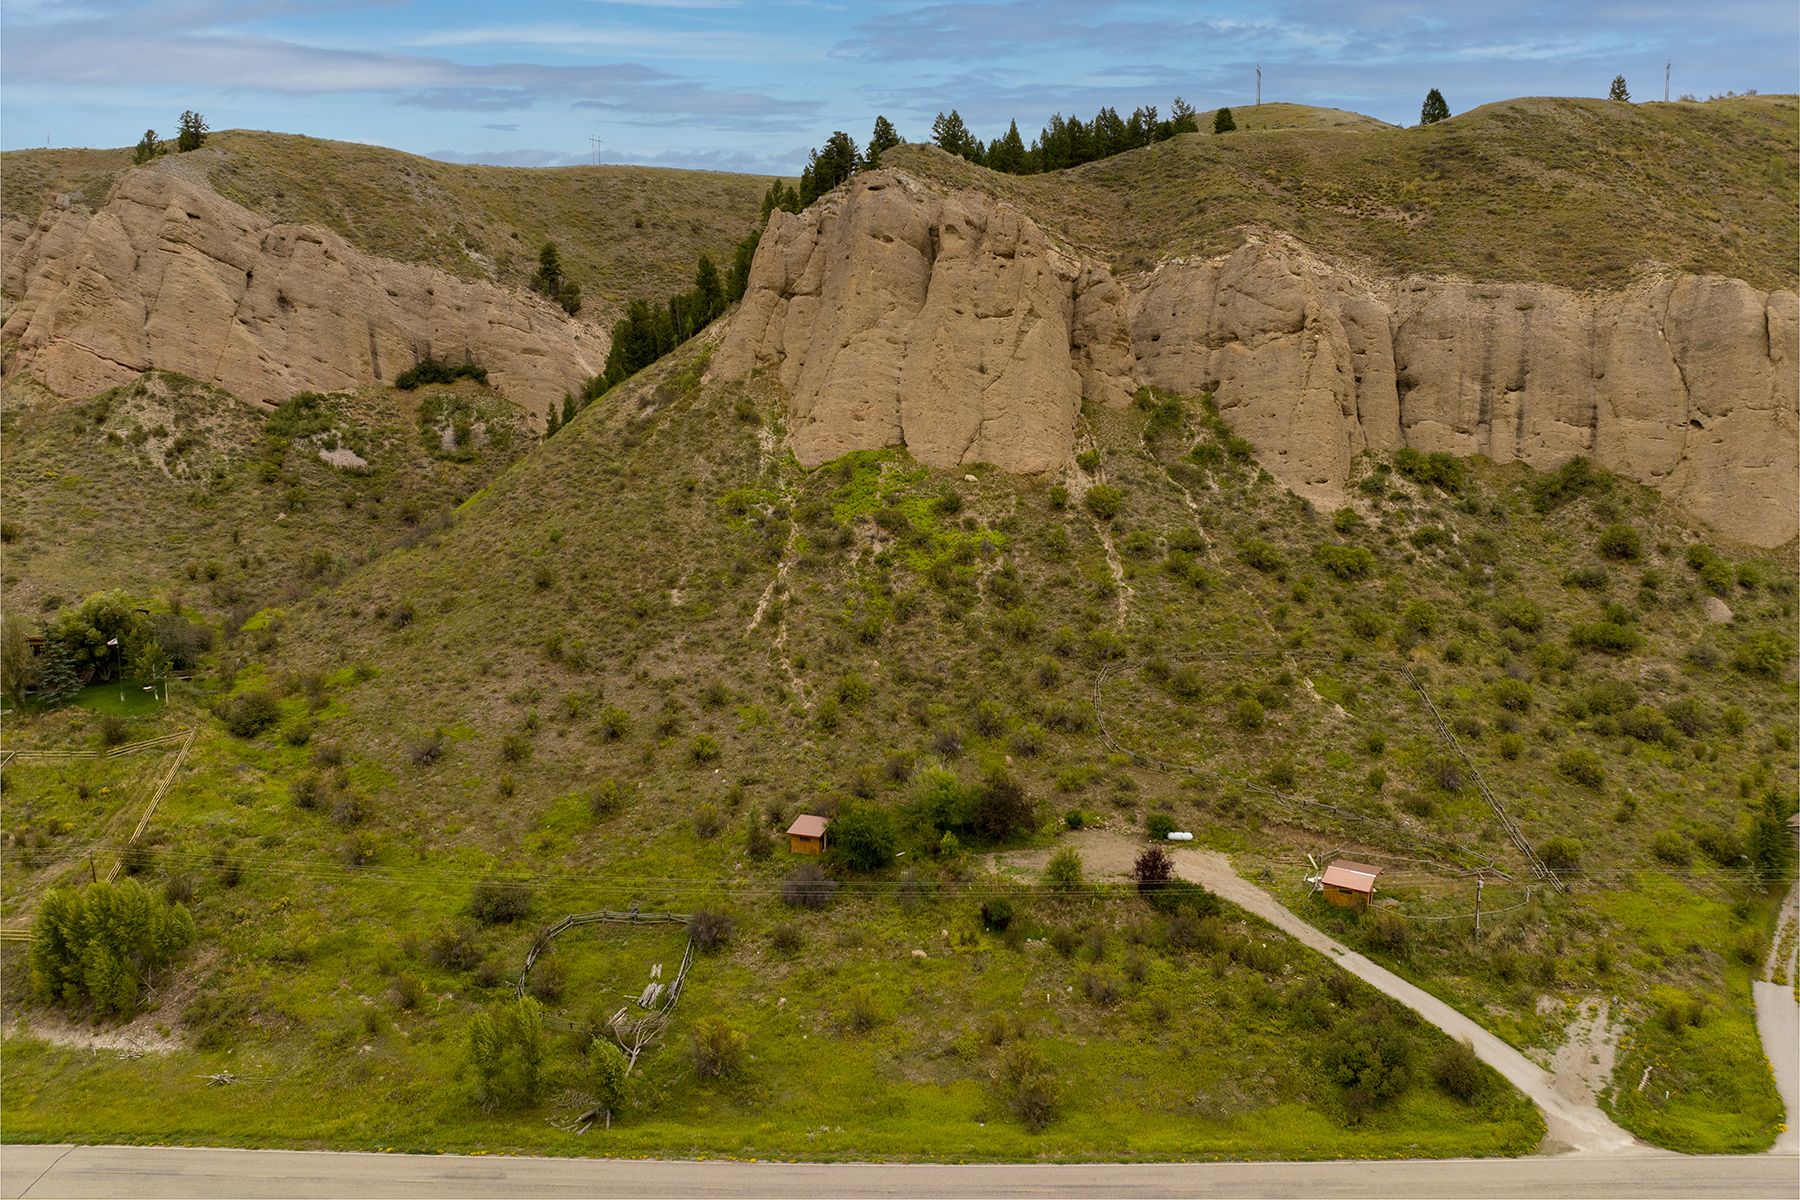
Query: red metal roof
[
  {"x": 807, "y": 825},
  {"x": 1351, "y": 876}
]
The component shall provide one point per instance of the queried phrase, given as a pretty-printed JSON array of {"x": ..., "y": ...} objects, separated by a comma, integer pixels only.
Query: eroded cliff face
[
  {"x": 950, "y": 324},
  {"x": 170, "y": 275},
  {"x": 894, "y": 315}
]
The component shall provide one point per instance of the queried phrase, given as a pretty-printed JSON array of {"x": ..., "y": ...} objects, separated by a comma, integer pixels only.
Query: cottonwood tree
[{"x": 1434, "y": 109}]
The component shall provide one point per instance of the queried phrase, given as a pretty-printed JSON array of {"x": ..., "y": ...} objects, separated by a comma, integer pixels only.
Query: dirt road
[{"x": 1571, "y": 1125}]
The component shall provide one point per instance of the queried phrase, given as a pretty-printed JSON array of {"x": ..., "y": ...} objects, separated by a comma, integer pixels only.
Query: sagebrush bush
[{"x": 500, "y": 901}]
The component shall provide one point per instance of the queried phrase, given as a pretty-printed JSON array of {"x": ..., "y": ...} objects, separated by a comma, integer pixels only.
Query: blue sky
[{"x": 743, "y": 85}]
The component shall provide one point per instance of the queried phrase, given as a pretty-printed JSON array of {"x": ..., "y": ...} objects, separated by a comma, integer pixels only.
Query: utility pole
[
  {"x": 594, "y": 148},
  {"x": 1479, "y": 880},
  {"x": 1668, "y": 65},
  {"x": 1259, "y": 85}
]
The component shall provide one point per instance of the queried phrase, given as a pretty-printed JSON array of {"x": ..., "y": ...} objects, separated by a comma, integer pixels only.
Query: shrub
[
  {"x": 864, "y": 1012},
  {"x": 1621, "y": 543},
  {"x": 1457, "y": 1070},
  {"x": 1606, "y": 636},
  {"x": 429, "y": 370},
  {"x": 506, "y": 1053},
  {"x": 718, "y": 1049},
  {"x": 1510, "y": 746},
  {"x": 1670, "y": 847},
  {"x": 114, "y": 730},
  {"x": 1560, "y": 853},
  {"x": 785, "y": 939},
  {"x": 1346, "y": 562},
  {"x": 1001, "y": 808},
  {"x": 515, "y": 748},
  {"x": 997, "y": 914},
  {"x": 1420, "y": 617},
  {"x": 615, "y": 722},
  {"x": 1767, "y": 653},
  {"x": 248, "y": 713},
  {"x": 1443, "y": 471},
  {"x": 1063, "y": 873},
  {"x": 1688, "y": 716},
  {"x": 704, "y": 750},
  {"x": 710, "y": 929},
  {"x": 862, "y": 837},
  {"x": 98, "y": 943},
  {"x": 807, "y": 887},
  {"x": 1248, "y": 714},
  {"x": 1583, "y": 766},
  {"x": 1521, "y": 614},
  {"x": 759, "y": 843},
  {"x": 1569, "y": 481},
  {"x": 1104, "y": 501},
  {"x": 1030, "y": 1086},
  {"x": 1153, "y": 868},
  {"x": 1514, "y": 695},
  {"x": 607, "y": 800},
  {"x": 1370, "y": 1059},
  {"x": 1647, "y": 724},
  {"x": 428, "y": 750},
  {"x": 1159, "y": 825},
  {"x": 1259, "y": 554}
]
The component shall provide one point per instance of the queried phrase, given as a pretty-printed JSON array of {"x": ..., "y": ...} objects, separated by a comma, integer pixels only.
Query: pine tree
[
  {"x": 550, "y": 423},
  {"x": 1222, "y": 122},
  {"x": 885, "y": 137},
  {"x": 952, "y": 136},
  {"x": 709, "y": 288},
  {"x": 568, "y": 294},
  {"x": 1434, "y": 109},
  {"x": 1182, "y": 118},
  {"x": 1617, "y": 90},
  {"x": 193, "y": 132},
  {"x": 548, "y": 278},
  {"x": 57, "y": 680},
  {"x": 1008, "y": 153},
  {"x": 148, "y": 147},
  {"x": 568, "y": 408}
]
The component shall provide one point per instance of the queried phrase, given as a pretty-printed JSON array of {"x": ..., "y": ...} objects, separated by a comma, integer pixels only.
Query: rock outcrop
[
  {"x": 170, "y": 275},
  {"x": 892, "y": 314}
]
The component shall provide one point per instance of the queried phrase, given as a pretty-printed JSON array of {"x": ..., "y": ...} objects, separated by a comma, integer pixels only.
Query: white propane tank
[{"x": 1180, "y": 836}]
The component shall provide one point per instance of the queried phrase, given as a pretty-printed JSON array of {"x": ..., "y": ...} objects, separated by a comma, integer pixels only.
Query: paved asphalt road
[{"x": 148, "y": 1172}]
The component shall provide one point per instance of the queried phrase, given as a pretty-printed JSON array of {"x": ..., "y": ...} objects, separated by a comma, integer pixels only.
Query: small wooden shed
[
  {"x": 807, "y": 834},
  {"x": 1349, "y": 884}
]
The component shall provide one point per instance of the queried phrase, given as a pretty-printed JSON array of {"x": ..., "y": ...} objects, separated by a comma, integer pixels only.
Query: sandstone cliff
[
  {"x": 893, "y": 314},
  {"x": 167, "y": 274}
]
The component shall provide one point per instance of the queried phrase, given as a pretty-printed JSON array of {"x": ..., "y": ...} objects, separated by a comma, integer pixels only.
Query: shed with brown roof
[
  {"x": 807, "y": 834},
  {"x": 1349, "y": 884}
]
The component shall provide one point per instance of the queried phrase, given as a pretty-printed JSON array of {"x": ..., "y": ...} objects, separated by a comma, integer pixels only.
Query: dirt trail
[
  {"x": 1571, "y": 1124},
  {"x": 1778, "y": 1022}
]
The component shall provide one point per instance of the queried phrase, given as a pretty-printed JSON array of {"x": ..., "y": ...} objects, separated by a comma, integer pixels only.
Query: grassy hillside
[
  {"x": 171, "y": 487},
  {"x": 1583, "y": 193},
  {"x": 677, "y": 639},
  {"x": 623, "y": 231}
]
